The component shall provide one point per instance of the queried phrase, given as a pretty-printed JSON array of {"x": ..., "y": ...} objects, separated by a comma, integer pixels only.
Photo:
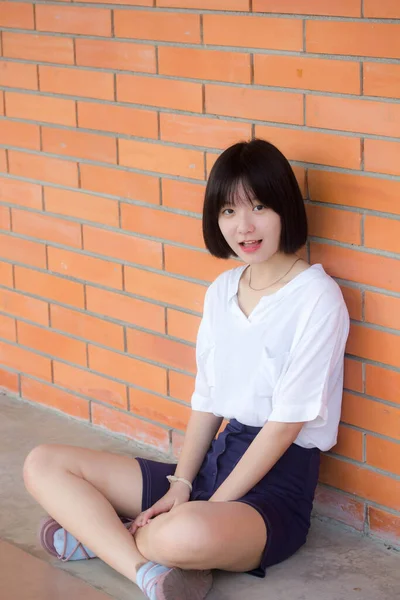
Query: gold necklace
[{"x": 273, "y": 283}]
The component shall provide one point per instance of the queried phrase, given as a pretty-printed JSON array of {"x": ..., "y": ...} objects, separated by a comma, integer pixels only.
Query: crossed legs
[{"x": 85, "y": 491}]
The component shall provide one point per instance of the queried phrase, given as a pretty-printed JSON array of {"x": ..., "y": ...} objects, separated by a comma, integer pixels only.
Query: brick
[
  {"x": 360, "y": 481},
  {"x": 35, "y": 47},
  {"x": 18, "y": 75},
  {"x": 334, "y": 224},
  {"x": 353, "y": 377},
  {"x": 183, "y": 195},
  {"x": 91, "y": 385},
  {"x": 87, "y": 327},
  {"x": 313, "y": 147},
  {"x": 126, "y": 309},
  {"x": 161, "y": 158},
  {"x": 118, "y": 119},
  {"x": 383, "y": 524},
  {"x": 18, "y": 250},
  {"x": 157, "y": 91},
  {"x": 160, "y": 26},
  {"x": 382, "y": 383},
  {"x": 350, "y": 443},
  {"x": 383, "y": 454},
  {"x": 39, "y": 167},
  {"x": 161, "y": 224},
  {"x": 181, "y": 386},
  {"x": 82, "y": 145},
  {"x": 116, "y": 55},
  {"x": 215, "y": 65},
  {"x": 177, "y": 444},
  {"x": 382, "y": 233},
  {"x": 353, "y": 38},
  {"x": 182, "y": 325},
  {"x": 159, "y": 409},
  {"x": 128, "y": 369},
  {"x": 127, "y": 2},
  {"x": 119, "y": 183},
  {"x": 361, "y": 267},
  {"x": 162, "y": 350},
  {"x": 3, "y": 162},
  {"x": 25, "y": 361},
  {"x": 340, "y": 8},
  {"x": 127, "y": 425},
  {"x": 84, "y": 267},
  {"x": 20, "y": 193},
  {"x": 371, "y": 415},
  {"x": 123, "y": 247},
  {"x": 9, "y": 381},
  {"x": 307, "y": 73},
  {"x": 40, "y": 108},
  {"x": 50, "y": 396},
  {"x": 212, "y": 133},
  {"x": 25, "y": 135},
  {"x": 253, "y": 32},
  {"x": 192, "y": 263},
  {"x": 166, "y": 289},
  {"x": 382, "y": 156},
  {"x": 16, "y": 14},
  {"x": 373, "y": 344},
  {"x": 44, "y": 227},
  {"x": 345, "y": 114},
  {"x": 353, "y": 299},
  {"x": 49, "y": 286},
  {"x": 7, "y": 328},
  {"x": 5, "y": 221},
  {"x": 73, "y": 19},
  {"x": 382, "y": 310},
  {"x": 384, "y": 9},
  {"x": 335, "y": 505},
  {"x": 6, "y": 274},
  {"x": 381, "y": 79},
  {"x": 253, "y": 104},
  {"x": 354, "y": 190},
  {"x": 77, "y": 82},
  {"x": 241, "y": 5},
  {"x": 82, "y": 205},
  {"x": 52, "y": 343}
]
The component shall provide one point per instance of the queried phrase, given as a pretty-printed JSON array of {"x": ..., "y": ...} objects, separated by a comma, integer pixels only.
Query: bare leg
[{"x": 84, "y": 490}]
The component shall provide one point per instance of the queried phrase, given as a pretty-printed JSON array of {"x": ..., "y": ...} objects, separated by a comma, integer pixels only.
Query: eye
[
  {"x": 258, "y": 207},
  {"x": 227, "y": 211}
]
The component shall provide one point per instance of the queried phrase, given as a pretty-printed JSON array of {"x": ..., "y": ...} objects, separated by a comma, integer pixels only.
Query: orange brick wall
[{"x": 112, "y": 113}]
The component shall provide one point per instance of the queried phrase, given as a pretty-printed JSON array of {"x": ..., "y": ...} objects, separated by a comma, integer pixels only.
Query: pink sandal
[{"x": 72, "y": 548}]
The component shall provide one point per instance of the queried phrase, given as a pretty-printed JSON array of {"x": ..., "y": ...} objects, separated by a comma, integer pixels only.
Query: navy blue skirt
[{"x": 284, "y": 497}]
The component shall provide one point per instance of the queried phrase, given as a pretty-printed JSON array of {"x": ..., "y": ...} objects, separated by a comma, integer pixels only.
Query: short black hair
[{"x": 265, "y": 174}]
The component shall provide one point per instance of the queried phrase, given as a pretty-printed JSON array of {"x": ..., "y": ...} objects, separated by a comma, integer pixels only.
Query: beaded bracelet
[{"x": 172, "y": 479}]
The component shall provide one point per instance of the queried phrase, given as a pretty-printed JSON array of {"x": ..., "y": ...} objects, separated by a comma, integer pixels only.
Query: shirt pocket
[{"x": 268, "y": 373}]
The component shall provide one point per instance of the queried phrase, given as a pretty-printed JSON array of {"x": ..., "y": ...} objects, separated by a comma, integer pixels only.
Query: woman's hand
[{"x": 179, "y": 493}]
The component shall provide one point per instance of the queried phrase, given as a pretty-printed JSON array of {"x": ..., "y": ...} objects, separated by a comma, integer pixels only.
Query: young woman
[{"x": 270, "y": 360}]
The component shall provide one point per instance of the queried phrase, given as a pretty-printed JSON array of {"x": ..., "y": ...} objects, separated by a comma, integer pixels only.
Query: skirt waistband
[{"x": 235, "y": 426}]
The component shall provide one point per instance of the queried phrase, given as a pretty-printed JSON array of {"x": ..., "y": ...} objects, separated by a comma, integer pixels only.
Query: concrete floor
[{"x": 335, "y": 564}]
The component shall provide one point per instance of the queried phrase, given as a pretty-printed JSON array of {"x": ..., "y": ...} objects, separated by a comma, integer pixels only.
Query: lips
[{"x": 247, "y": 244}]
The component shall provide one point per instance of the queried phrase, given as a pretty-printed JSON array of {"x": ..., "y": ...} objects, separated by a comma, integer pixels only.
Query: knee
[
  {"x": 179, "y": 538},
  {"x": 37, "y": 463}
]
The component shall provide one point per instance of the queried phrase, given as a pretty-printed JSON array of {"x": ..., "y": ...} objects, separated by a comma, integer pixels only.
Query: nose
[{"x": 245, "y": 224}]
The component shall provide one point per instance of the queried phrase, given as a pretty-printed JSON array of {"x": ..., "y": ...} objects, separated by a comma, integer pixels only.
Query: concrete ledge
[{"x": 335, "y": 564}]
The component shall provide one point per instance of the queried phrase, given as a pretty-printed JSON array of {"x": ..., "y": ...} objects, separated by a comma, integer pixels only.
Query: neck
[{"x": 262, "y": 274}]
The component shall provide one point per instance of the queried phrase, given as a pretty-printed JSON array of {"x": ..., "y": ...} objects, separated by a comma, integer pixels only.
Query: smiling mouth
[{"x": 250, "y": 243}]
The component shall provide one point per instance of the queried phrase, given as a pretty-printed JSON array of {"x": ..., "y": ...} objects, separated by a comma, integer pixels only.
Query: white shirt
[{"x": 282, "y": 363}]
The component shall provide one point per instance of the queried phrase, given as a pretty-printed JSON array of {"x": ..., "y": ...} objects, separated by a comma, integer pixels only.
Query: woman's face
[{"x": 252, "y": 230}]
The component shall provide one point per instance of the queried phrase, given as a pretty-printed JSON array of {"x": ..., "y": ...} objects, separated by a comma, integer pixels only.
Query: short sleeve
[
  {"x": 303, "y": 390},
  {"x": 202, "y": 398}
]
